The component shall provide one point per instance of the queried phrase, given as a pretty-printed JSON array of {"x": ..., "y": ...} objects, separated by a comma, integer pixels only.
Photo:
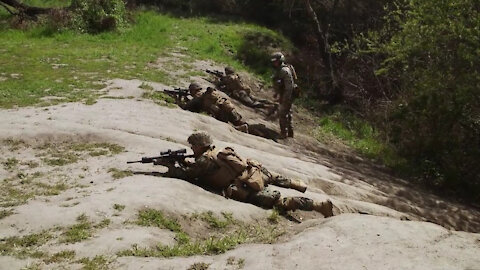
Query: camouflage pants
[
  {"x": 268, "y": 198},
  {"x": 285, "y": 118},
  {"x": 230, "y": 116}
]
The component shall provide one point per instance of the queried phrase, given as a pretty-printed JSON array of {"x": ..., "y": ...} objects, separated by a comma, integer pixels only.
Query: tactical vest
[{"x": 232, "y": 168}]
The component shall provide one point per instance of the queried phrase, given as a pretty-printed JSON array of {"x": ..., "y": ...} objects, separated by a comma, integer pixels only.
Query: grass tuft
[{"x": 117, "y": 174}]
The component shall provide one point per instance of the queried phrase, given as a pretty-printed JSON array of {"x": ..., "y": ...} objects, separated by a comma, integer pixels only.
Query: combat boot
[
  {"x": 326, "y": 208},
  {"x": 298, "y": 185},
  {"x": 242, "y": 128},
  {"x": 290, "y": 133}
]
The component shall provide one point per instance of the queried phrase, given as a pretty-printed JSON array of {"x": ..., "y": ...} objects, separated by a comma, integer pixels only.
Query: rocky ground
[{"x": 69, "y": 200}]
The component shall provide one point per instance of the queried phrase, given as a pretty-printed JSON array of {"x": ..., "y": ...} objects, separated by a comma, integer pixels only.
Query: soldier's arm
[
  {"x": 190, "y": 171},
  {"x": 192, "y": 105},
  {"x": 288, "y": 82}
]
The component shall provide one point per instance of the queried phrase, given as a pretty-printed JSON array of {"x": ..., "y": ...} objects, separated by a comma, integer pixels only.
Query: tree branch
[{"x": 7, "y": 8}]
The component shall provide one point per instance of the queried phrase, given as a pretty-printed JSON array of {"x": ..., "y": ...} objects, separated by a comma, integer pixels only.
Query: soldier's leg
[
  {"x": 282, "y": 119},
  {"x": 306, "y": 204},
  {"x": 289, "y": 124},
  {"x": 282, "y": 181},
  {"x": 266, "y": 198}
]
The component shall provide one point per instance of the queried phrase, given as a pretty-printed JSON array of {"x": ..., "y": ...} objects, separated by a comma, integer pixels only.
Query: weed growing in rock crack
[
  {"x": 199, "y": 266},
  {"x": 273, "y": 217},
  {"x": 5, "y": 213},
  {"x": 78, "y": 232},
  {"x": 10, "y": 164},
  {"x": 146, "y": 86},
  {"x": 218, "y": 240},
  {"x": 97, "y": 263},
  {"x": 14, "y": 144},
  {"x": 152, "y": 217},
  {"x": 25, "y": 246},
  {"x": 160, "y": 98},
  {"x": 65, "y": 255},
  {"x": 118, "y": 207},
  {"x": 232, "y": 261},
  {"x": 117, "y": 174},
  {"x": 64, "y": 154}
]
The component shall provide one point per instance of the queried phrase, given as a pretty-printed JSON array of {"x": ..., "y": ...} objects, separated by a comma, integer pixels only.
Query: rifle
[
  {"x": 177, "y": 92},
  {"x": 169, "y": 155},
  {"x": 215, "y": 72}
]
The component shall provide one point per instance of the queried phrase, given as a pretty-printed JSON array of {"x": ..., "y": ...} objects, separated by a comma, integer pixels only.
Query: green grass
[
  {"x": 97, "y": 263},
  {"x": 25, "y": 246},
  {"x": 5, "y": 213},
  {"x": 118, "y": 174},
  {"x": 61, "y": 256},
  {"x": 358, "y": 134},
  {"x": 118, "y": 207},
  {"x": 36, "y": 63},
  {"x": 10, "y": 164},
  {"x": 152, "y": 217},
  {"x": 221, "y": 235},
  {"x": 78, "y": 232}
]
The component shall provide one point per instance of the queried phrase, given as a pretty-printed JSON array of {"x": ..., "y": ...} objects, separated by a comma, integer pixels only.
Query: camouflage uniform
[
  {"x": 239, "y": 179},
  {"x": 284, "y": 85},
  {"x": 233, "y": 85},
  {"x": 214, "y": 104}
]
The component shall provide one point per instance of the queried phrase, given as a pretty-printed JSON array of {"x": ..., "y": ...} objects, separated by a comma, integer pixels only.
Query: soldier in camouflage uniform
[
  {"x": 233, "y": 85},
  {"x": 239, "y": 179},
  {"x": 284, "y": 86},
  {"x": 213, "y": 103}
]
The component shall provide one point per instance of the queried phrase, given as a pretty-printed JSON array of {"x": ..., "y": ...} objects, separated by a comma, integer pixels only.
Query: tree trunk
[
  {"x": 25, "y": 9},
  {"x": 335, "y": 90}
]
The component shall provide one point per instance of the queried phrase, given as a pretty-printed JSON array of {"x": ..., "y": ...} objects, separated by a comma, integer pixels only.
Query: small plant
[
  {"x": 24, "y": 246},
  {"x": 146, "y": 86},
  {"x": 97, "y": 263},
  {"x": 273, "y": 217},
  {"x": 78, "y": 232},
  {"x": 10, "y": 164},
  {"x": 199, "y": 266},
  {"x": 118, "y": 207},
  {"x": 5, "y": 213},
  {"x": 151, "y": 217},
  {"x": 61, "y": 256},
  {"x": 117, "y": 174}
]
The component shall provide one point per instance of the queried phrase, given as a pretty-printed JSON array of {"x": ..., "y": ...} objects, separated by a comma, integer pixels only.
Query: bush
[
  {"x": 435, "y": 122},
  {"x": 98, "y": 15}
]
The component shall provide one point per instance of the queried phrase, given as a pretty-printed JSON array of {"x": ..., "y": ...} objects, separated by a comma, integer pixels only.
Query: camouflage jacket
[
  {"x": 233, "y": 83},
  {"x": 283, "y": 83}
]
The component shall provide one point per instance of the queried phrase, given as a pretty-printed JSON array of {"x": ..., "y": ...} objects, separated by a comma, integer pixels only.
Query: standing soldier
[
  {"x": 285, "y": 88},
  {"x": 239, "y": 179}
]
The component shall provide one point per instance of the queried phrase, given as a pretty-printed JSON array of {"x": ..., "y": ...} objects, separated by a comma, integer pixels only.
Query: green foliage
[
  {"x": 80, "y": 231},
  {"x": 118, "y": 174},
  {"x": 222, "y": 235},
  {"x": 72, "y": 66},
  {"x": 152, "y": 217},
  {"x": 97, "y": 263},
  {"x": 436, "y": 121},
  {"x": 98, "y": 15},
  {"x": 61, "y": 256},
  {"x": 24, "y": 246}
]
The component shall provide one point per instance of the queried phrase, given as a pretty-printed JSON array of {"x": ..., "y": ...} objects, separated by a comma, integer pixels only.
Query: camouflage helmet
[
  {"x": 229, "y": 70},
  {"x": 194, "y": 87},
  {"x": 278, "y": 56},
  {"x": 200, "y": 139}
]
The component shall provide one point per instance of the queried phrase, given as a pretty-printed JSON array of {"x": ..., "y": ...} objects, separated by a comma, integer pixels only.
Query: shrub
[{"x": 98, "y": 15}]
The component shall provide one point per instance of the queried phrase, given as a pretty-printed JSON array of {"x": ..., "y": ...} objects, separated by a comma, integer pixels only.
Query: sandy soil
[{"x": 381, "y": 222}]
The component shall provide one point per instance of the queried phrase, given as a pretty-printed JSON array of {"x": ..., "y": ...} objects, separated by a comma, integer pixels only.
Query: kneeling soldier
[{"x": 239, "y": 179}]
